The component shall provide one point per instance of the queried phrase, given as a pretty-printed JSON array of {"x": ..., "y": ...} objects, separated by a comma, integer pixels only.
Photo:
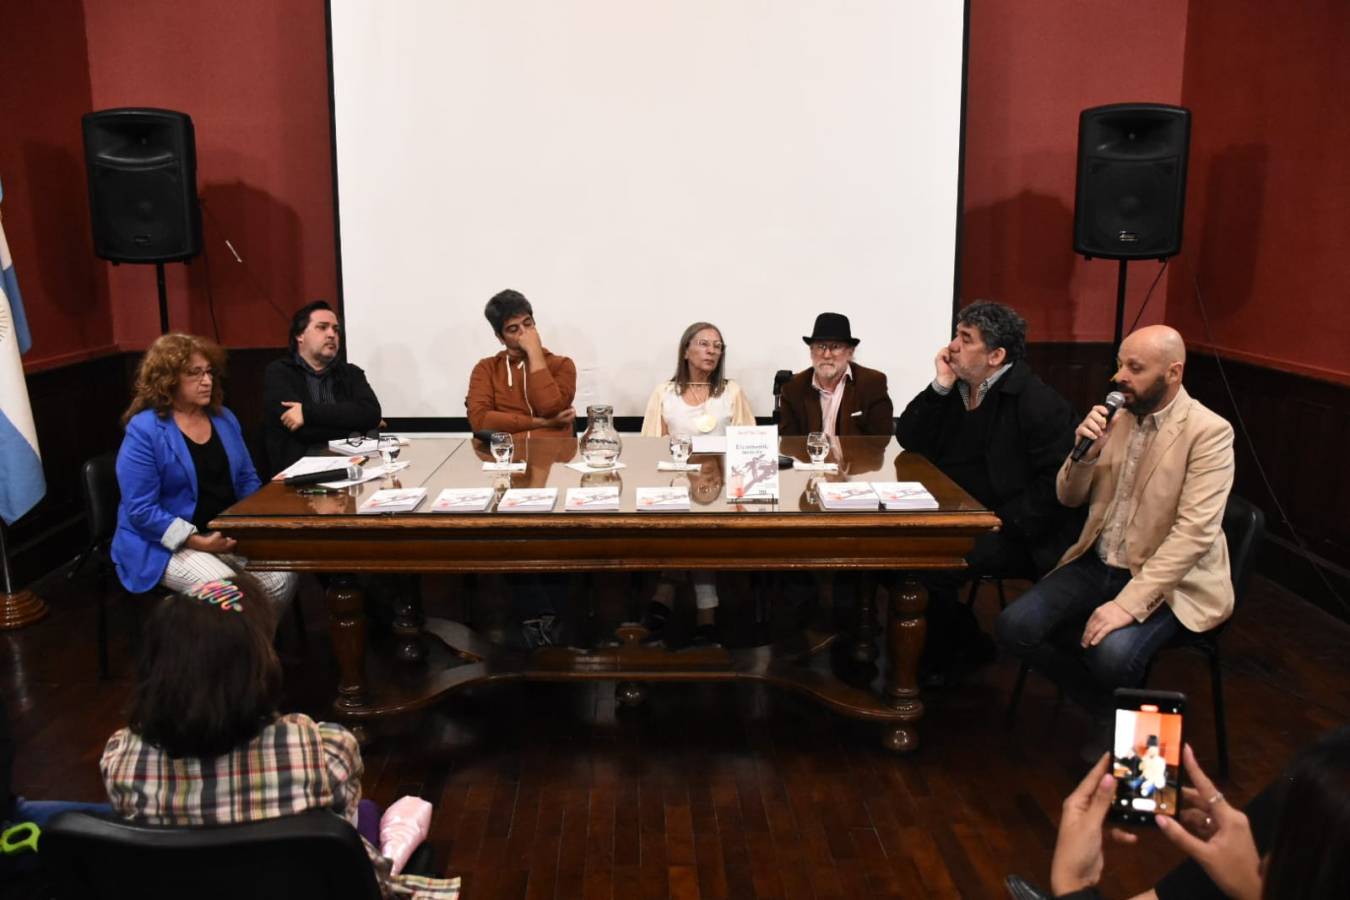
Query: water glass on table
[
  {"x": 389, "y": 448},
  {"x": 817, "y": 447},
  {"x": 502, "y": 446},
  {"x": 680, "y": 447}
]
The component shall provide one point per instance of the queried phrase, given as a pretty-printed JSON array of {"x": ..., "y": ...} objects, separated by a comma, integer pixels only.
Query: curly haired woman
[{"x": 182, "y": 463}]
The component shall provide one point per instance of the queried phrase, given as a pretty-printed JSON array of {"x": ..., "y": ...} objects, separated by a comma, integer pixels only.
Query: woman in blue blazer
[{"x": 182, "y": 462}]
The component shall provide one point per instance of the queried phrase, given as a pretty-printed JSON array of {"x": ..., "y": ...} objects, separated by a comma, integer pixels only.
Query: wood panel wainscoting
[
  {"x": 1299, "y": 429},
  {"x": 1298, "y": 424}
]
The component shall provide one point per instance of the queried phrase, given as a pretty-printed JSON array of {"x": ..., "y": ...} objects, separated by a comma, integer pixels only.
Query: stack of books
[
  {"x": 592, "y": 499},
  {"x": 846, "y": 495},
  {"x": 663, "y": 499},
  {"x": 904, "y": 495},
  {"x": 463, "y": 500},
  {"x": 527, "y": 500},
  {"x": 393, "y": 500}
]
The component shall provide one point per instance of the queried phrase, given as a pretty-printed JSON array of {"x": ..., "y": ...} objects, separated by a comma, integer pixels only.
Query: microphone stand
[{"x": 17, "y": 608}]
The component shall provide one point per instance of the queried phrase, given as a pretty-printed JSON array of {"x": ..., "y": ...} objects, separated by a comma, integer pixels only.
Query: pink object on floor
[{"x": 403, "y": 827}]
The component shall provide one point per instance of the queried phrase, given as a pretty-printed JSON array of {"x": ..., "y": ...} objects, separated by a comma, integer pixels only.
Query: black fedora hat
[{"x": 832, "y": 327}]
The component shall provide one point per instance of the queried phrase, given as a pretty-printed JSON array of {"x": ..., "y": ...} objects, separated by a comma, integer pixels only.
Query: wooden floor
[{"x": 719, "y": 791}]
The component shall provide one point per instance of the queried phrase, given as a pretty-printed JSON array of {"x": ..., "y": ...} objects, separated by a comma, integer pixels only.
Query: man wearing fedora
[
  {"x": 836, "y": 395},
  {"x": 992, "y": 426}
]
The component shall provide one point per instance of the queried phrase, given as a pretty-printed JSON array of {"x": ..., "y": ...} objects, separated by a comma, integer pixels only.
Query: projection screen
[{"x": 633, "y": 166}]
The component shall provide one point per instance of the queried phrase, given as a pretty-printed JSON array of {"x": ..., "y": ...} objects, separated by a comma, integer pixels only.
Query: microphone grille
[{"x": 1115, "y": 400}]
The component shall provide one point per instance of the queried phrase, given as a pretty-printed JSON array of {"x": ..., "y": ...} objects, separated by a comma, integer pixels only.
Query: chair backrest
[
  {"x": 314, "y": 854},
  {"x": 1244, "y": 525},
  {"x": 101, "y": 493}
]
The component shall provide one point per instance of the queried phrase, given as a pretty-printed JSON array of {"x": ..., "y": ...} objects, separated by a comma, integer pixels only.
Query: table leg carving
[
  {"x": 408, "y": 620},
  {"x": 864, "y": 649},
  {"x": 348, "y": 606},
  {"x": 906, "y": 629}
]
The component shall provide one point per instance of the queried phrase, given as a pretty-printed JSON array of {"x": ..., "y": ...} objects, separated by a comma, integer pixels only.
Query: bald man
[{"x": 1151, "y": 558}]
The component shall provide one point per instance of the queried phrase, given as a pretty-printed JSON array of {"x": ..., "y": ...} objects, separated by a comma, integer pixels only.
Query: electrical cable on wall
[
  {"x": 248, "y": 273},
  {"x": 1261, "y": 470}
]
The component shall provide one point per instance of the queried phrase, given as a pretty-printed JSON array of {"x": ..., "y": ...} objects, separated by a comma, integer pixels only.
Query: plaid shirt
[{"x": 293, "y": 765}]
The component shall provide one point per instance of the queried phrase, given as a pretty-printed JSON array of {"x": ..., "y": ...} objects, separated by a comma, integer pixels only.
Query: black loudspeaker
[
  {"x": 142, "y": 166},
  {"x": 1131, "y": 180}
]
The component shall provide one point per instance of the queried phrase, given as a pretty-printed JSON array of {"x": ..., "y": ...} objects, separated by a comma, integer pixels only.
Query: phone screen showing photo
[{"x": 1146, "y": 755}]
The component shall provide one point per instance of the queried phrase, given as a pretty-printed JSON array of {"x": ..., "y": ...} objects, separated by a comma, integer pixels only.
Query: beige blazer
[{"x": 1174, "y": 542}]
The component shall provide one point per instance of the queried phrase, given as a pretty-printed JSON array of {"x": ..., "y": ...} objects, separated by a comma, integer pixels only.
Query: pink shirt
[{"x": 830, "y": 400}]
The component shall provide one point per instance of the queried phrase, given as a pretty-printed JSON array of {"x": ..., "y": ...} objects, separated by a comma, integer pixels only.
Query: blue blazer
[{"x": 159, "y": 486}]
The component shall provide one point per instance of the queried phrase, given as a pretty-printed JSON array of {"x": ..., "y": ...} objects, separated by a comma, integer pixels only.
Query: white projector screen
[{"x": 633, "y": 166}]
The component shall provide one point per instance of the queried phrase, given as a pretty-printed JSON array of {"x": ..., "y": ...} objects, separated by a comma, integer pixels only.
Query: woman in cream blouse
[{"x": 698, "y": 399}]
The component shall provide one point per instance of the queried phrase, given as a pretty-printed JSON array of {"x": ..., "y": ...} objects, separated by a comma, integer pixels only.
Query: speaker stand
[
  {"x": 164, "y": 300},
  {"x": 1120, "y": 313}
]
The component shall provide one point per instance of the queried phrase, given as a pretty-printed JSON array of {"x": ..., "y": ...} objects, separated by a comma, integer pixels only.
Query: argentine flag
[{"x": 21, "y": 481}]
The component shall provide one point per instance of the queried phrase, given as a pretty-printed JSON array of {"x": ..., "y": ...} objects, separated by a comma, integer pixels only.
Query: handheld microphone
[
  {"x": 345, "y": 473},
  {"x": 1114, "y": 401},
  {"x": 484, "y": 436}
]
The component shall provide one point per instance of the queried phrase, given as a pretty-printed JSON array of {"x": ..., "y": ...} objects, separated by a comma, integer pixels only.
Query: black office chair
[
  {"x": 102, "y": 495},
  {"x": 99, "y": 489},
  {"x": 314, "y": 855},
  {"x": 1244, "y": 525}
]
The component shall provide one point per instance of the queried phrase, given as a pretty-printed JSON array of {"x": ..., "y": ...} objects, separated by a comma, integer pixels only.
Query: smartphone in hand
[{"x": 1146, "y": 755}]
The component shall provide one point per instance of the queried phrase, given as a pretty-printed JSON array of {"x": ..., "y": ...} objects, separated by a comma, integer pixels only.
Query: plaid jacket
[{"x": 293, "y": 765}]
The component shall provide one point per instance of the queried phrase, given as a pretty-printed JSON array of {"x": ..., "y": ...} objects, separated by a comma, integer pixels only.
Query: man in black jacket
[
  {"x": 1001, "y": 433},
  {"x": 311, "y": 397}
]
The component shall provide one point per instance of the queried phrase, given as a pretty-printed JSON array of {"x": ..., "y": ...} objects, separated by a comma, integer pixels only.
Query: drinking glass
[
  {"x": 817, "y": 447},
  {"x": 680, "y": 447},
  {"x": 502, "y": 446},
  {"x": 389, "y": 449}
]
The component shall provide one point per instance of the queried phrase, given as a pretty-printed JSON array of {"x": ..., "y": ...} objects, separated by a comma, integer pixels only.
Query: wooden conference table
[{"x": 280, "y": 529}]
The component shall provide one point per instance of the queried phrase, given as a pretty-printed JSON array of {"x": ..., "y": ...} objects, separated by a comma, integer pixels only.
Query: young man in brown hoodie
[{"x": 523, "y": 389}]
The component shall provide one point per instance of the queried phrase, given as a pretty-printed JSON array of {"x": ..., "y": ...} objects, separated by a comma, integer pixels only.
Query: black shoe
[
  {"x": 539, "y": 631},
  {"x": 705, "y": 635},
  {"x": 655, "y": 620}
]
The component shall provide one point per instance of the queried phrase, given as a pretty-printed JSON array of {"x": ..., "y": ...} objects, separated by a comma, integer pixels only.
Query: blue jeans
[{"x": 1043, "y": 628}]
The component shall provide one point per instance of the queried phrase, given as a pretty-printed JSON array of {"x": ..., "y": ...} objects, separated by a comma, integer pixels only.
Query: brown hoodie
[{"x": 503, "y": 396}]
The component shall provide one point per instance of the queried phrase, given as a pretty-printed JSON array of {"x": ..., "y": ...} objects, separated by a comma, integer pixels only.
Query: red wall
[
  {"x": 44, "y": 89},
  {"x": 253, "y": 75},
  {"x": 1269, "y": 198},
  {"x": 1033, "y": 66}
]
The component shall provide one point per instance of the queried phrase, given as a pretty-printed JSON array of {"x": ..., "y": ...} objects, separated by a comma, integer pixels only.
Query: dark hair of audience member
[
  {"x": 209, "y": 679},
  {"x": 717, "y": 380},
  {"x": 163, "y": 366},
  {"x": 999, "y": 325},
  {"x": 300, "y": 321},
  {"x": 1310, "y": 848},
  {"x": 505, "y": 305}
]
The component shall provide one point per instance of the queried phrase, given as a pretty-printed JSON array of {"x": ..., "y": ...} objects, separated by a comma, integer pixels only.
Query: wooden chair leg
[
  {"x": 1220, "y": 717},
  {"x": 1011, "y": 715},
  {"x": 975, "y": 590}
]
